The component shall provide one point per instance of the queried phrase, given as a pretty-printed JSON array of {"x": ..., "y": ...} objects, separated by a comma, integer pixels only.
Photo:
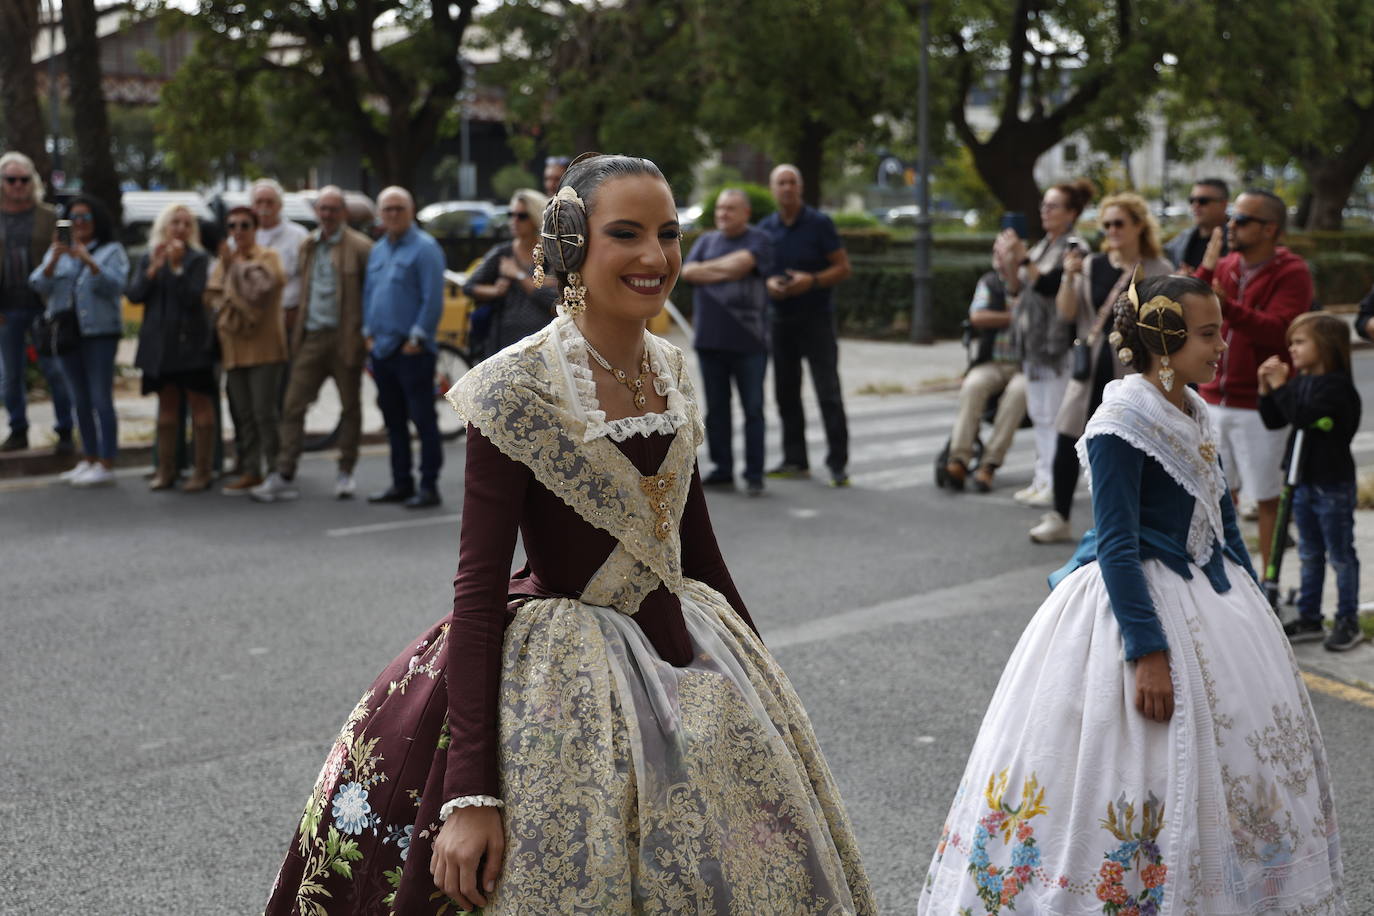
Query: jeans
[
  {"x": 405, "y": 394},
  {"x": 89, "y": 374},
  {"x": 1325, "y": 517},
  {"x": 14, "y": 335},
  {"x": 811, "y": 337},
  {"x": 718, "y": 367},
  {"x": 253, "y": 392}
]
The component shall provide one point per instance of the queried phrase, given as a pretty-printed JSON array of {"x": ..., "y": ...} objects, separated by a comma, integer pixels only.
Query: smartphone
[
  {"x": 1016, "y": 221},
  {"x": 64, "y": 231}
]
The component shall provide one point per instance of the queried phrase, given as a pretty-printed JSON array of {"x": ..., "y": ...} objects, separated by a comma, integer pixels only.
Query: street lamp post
[{"x": 921, "y": 332}]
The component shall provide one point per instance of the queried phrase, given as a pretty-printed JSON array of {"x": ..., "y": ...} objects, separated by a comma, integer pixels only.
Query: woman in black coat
[{"x": 176, "y": 342}]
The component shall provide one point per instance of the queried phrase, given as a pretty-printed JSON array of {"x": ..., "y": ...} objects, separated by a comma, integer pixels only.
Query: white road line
[{"x": 392, "y": 526}]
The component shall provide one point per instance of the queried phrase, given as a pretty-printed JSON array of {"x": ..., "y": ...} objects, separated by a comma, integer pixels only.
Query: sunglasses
[
  {"x": 238, "y": 224},
  {"x": 1245, "y": 219},
  {"x": 1113, "y": 224},
  {"x": 519, "y": 217},
  {"x": 81, "y": 218},
  {"x": 1203, "y": 201},
  {"x": 18, "y": 179}
]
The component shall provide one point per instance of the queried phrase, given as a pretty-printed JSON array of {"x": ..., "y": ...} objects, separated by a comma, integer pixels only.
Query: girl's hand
[
  {"x": 1272, "y": 373},
  {"x": 1154, "y": 688},
  {"x": 469, "y": 849}
]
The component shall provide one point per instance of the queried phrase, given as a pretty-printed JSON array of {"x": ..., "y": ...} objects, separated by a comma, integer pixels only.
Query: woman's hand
[
  {"x": 510, "y": 270},
  {"x": 471, "y": 840},
  {"x": 1073, "y": 262},
  {"x": 1154, "y": 688},
  {"x": 1272, "y": 373},
  {"x": 1213, "y": 252},
  {"x": 176, "y": 252}
]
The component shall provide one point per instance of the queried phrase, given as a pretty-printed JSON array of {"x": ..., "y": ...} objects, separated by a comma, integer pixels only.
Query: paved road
[{"x": 175, "y": 666}]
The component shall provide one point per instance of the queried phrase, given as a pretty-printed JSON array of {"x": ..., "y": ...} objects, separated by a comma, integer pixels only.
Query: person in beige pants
[
  {"x": 327, "y": 343},
  {"x": 996, "y": 370}
]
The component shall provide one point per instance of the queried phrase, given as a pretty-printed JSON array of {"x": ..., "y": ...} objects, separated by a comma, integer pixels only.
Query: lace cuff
[{"x": 468, "y": 801}]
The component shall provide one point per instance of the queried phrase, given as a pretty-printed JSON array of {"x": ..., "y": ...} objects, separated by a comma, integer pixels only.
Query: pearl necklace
[{"x": 635, "y": 385}]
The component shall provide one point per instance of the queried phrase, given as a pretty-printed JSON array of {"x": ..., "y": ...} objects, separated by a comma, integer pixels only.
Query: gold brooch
[
  {"x": 656, "y": 488},
  {"x": 1208, "y": 451}
]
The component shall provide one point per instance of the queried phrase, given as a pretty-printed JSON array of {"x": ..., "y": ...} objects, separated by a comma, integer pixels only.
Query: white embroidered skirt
[
  {"x": 633, "y": 786},
  {"x": 1074, "y": 803}
]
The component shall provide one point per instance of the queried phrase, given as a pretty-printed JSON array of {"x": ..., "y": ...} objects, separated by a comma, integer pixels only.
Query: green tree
[
  {"x": 306, "y": 73},
  {"x": 805, "y": 81},
  {"x": 1292, "y": 84},
  {"x": 619, "y": 76},
  {"x": 1050, "y": 68}
]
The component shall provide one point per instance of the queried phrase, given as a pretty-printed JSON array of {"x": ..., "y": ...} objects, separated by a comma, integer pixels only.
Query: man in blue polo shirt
[
  {"x": 730, "y": 315},
  {"x": 403, "y": 298},
  {"x": 808, "y": 259}
]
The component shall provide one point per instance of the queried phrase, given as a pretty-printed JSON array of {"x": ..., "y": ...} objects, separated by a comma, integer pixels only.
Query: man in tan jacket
[{"x": 327, "y": 342}]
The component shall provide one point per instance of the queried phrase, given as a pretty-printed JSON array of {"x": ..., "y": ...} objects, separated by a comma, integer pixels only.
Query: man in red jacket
[{"x": 1262, "y": 287}]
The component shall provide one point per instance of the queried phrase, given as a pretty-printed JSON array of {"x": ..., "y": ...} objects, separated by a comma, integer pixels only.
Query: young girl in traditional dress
[
  {"x": 605, "y": 732},
  {"x": 1151, "y": 747}
]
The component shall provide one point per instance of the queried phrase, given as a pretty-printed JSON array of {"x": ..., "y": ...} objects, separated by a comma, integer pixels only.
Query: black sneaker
[
  {"x": 1304, "y": 630},
  {"x": 65, "y": 444},
  {"x": 754, "y": 487},
  {"x": 718, "y": 480},
  {"x": 17, "y": 442},
  {"x": 1345, "y": 635},
  {"x": 841, "y": 479},
  {"x": 786, "y": 471}
]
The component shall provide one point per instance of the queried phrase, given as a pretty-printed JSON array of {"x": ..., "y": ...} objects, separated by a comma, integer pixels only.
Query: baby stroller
[{"x": 979, "y": 345}]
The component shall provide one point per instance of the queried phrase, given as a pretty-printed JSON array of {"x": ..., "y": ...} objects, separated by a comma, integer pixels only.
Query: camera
[{"x": 64, "y": 231}]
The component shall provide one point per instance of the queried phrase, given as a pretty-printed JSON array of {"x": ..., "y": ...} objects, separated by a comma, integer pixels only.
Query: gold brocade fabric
[{"x": 633, "y": 786}]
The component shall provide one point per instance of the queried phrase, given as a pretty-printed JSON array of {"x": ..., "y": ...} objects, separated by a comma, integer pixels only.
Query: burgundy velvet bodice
[{"x": 502, "y": 498}]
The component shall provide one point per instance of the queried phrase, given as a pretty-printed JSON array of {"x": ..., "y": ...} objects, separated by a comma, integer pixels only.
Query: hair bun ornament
[
  {"x": 1126, "y": 355},
  {"x": 564, "y": 233}
]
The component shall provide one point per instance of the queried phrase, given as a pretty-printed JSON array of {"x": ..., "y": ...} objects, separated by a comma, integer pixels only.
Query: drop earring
[
  {"x": 1166, "y": 374},
  {"x": 575, "y": 295},
  {"x": 538, "y": 257}
]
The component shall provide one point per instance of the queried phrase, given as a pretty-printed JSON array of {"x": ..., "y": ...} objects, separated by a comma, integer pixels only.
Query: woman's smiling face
[{"x": 634, "y": 251}]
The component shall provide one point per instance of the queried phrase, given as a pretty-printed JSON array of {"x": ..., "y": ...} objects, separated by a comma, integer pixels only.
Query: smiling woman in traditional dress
[
  {"x": 604, "y": 732},
  {"x": 1151, "y": 748}
]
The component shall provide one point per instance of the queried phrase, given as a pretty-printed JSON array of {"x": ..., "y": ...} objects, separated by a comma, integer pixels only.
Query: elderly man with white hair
[
  {"x": 403, "y": 299},
  {"x": 26, "y": 231},
  {"x": 327, "y": 342},
  {"x": 282, "y": 236}
]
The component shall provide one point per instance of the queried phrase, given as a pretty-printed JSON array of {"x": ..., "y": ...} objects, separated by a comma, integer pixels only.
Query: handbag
[
  {"x": 60, "y": 334},
  {"x": 1082, "y": 362}
]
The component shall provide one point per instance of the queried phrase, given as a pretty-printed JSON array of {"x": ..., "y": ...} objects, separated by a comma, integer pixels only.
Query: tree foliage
[
  {"x": 1051, "y": 68},
  {"x": 293, "y": 76}
]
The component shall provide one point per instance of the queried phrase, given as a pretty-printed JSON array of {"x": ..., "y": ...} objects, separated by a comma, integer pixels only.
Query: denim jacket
[{"x": 98, "y": 296}]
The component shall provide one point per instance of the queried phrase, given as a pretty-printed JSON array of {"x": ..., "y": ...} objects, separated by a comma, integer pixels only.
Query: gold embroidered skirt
[{"x": 633, "y": 786}]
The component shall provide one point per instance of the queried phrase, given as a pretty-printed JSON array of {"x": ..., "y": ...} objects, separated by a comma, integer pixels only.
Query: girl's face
[
  {"x": 179, "y": 226},
  {"x": 1303, "y": 350},
  {"x": 1200, "y": 357},
  {"x": 634, "y": 252},
  {"x": 1120, "y": 226}
]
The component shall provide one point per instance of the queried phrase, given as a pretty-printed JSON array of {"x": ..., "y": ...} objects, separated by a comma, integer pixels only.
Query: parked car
[
  {"x": 141, "y": 208},
  {"x": 448, "y": 219}
]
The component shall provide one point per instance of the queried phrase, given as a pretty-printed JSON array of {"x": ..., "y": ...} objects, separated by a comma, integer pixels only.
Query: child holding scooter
[{"x": 1321, "y": 404}]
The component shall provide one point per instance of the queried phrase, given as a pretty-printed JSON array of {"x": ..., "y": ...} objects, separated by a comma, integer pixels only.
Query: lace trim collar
[
  {"x": 1185, "y": 446},
  {"x": 578, "y": 374}
]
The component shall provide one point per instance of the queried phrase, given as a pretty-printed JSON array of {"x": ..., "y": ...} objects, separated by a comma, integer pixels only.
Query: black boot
[
  {"x": 17, "y": 442},
  {"x": 65, "y": 445}
]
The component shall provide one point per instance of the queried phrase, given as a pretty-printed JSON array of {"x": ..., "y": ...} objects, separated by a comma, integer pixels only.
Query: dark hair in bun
[
  {"x": 1152, "y": 337},
  {"x": 566, "y": 222},
  {"x": 1077, "y": 193}
]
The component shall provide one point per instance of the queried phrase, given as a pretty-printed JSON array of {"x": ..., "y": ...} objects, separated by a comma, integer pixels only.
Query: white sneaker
[
  {"x": 1041, "y": 497},
  {"x": 82, "y": 467},
  {"x": 1053, "y": 529},
  {"x": 345, "y": 486},
  {"x": 1249, "y": 511},
  {"x": 274, "y": 488},
  {"x": 96, "y": 475}
]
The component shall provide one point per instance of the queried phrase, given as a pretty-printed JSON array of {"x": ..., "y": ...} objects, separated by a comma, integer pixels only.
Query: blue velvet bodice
[{"x": 1141, "y": 513}]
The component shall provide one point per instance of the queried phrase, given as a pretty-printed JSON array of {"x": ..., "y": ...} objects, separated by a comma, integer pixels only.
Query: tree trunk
[
  {"x": 23, "y": 124},
  {"x": 1330, "y": 179},
  {"x": 810, "y": 159},
  {"x": 1009, "y": 172},
  {"x": 90, "y": 121}
]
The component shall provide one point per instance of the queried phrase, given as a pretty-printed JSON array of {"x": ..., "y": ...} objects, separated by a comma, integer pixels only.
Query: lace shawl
[
  {"x": 1136, "y": 411},
  {"x": 536, "y": 402}
]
